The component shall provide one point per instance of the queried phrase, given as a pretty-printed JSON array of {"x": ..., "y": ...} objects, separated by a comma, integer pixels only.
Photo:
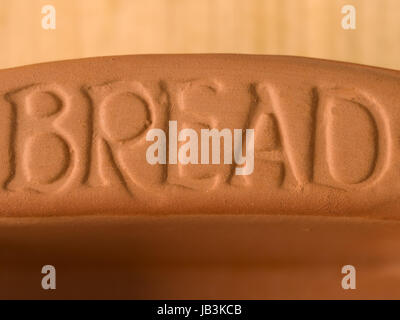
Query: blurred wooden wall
[{"x": 112, "y": 27}]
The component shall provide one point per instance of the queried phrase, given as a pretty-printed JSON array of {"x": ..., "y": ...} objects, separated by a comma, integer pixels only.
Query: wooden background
[{"x": 112, "y": 27}]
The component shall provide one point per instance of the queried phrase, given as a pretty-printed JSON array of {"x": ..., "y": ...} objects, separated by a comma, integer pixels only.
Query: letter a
[
  {"x": 49, "y": 20},
  {"x": 349, "y": 280},
  {"x": 349, "y": 20},
  {"x": 49, "y": 280}
]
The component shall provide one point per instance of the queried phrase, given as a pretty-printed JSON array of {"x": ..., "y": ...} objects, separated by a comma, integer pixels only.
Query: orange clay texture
[
  {"x": 78, "y": 193},
  {"x": 73, "y": 137}
]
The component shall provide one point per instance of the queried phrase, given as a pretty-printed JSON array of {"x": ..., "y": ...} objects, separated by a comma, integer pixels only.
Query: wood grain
[{"x": 113, "y": 27}]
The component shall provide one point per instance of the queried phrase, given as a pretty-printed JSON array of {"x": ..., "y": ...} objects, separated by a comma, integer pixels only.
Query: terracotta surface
[
  {"x": 78, "y": 193},
  {"x": 200, "y": 257}
]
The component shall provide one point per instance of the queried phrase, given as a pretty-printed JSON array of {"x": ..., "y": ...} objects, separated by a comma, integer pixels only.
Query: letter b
[{"x": 41, "y": 151}]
